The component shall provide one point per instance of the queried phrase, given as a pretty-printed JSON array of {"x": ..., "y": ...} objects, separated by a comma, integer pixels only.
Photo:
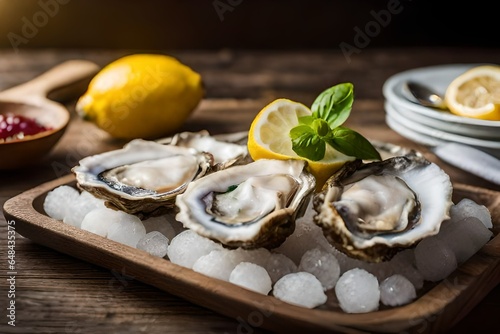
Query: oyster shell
[
  {"x": 249, "y": 206},
  {"x": 227, "y": 149},
  {"x": 372, "y": 210},
  {"x": 143, "y": 177}
]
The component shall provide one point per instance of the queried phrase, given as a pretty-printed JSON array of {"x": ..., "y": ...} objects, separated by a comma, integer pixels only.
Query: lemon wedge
[
  {"x": 476, "y": 93},
  {"x": 268, "y": 138}
]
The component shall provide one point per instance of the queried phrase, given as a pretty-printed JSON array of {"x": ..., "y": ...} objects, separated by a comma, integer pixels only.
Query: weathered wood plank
[{"x": 57, "y": 293}]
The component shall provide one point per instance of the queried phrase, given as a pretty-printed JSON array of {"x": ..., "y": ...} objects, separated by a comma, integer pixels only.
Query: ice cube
[
  {"x": 58, "y": 200},
  {"x": 279, "y": 265},
  {"x": 403, "y": 263},
  {"x": 258, "y": 256},
  {"x": 465, "y": 237},
  {"x": 321, "y": 264},
  {"x": 188, "y": 246},
  {"x": 300, "y": 288},
  {"x": 219, "y": 264},
  {"x": 127, "y": 230},
  {"x": 346, "y": 262},
  {"x": 468, "y": 208},
  {"x": 99, "y": 220},
  {"x": 397, "y": 290},
  {"x": 154, "y": 243},
  {"x": 358, "y": 291},
  {"x": 77, "y": 210},
  {"x": 307, "y": 235},
  {"x": 434, "y": 259},
  {"x": 380, "y": 270},
  {"x": 163, "y": 224},
  {"x": 252, "y": 277}
]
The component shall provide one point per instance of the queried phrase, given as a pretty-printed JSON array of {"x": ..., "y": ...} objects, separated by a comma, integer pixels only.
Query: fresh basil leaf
[
  {"x": 321, "y": 127},
  {"x": 307, "y": 120},
  {"x": 351, "y": 143},
  {"x": 334, "y": 104},
  {"x": 329, "y": 111},
  {"x": 306, "y": 143}
]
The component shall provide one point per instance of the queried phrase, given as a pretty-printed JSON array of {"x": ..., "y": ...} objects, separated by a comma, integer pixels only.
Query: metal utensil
[{"x": 424, "y": 95}]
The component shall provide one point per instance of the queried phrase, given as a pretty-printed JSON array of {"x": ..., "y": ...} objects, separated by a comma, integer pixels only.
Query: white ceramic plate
[
  {"x": 431, "y": 137},
  {"x": 437, "y": 78},
  {"x": 480, "y": 132}
]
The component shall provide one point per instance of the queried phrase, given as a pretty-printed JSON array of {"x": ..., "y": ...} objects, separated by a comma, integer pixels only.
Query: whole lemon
[{"x": 141, "y": 96}]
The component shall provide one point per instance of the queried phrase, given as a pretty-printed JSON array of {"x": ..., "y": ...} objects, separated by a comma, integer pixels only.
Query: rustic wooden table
[{"x": 56, "y": 293}]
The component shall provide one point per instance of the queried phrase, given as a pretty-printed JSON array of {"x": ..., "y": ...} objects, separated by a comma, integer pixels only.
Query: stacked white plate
[{"x": 433, "y": 127}]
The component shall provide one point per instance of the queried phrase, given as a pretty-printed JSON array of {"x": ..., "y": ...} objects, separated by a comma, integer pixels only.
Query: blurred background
[{"x": 248, "y": 24}]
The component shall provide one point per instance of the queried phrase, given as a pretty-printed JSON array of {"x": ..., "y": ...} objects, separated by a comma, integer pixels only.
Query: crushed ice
[{"x": 303, "y": 269}]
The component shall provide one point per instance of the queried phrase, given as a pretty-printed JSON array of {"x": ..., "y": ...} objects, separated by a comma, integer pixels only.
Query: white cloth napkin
[{"x": 470, "y": 159}]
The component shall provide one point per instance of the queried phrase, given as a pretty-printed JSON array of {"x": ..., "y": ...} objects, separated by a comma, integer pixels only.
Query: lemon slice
[
  {"x": 268, "y": 138},
  {"x": 476, "y": 93}
]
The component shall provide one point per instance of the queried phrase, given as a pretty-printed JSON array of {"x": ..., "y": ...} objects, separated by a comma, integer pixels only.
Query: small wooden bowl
[{"x": 30, "y": 100}]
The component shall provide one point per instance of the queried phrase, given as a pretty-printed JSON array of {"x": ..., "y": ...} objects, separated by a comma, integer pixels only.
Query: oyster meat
[
  {"x": 370, "y": 211},
  {"x": 143, "y": 177},
  {"x": 227, "y": 149},
  {"x": 250, "y": 206}
]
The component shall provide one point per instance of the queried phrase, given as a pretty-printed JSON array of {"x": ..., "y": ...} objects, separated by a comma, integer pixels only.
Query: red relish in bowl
[{"x": 18, "y": 127}]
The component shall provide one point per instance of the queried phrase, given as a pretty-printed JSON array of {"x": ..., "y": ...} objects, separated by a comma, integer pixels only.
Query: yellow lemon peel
[
  {"x": 142, "y": 96},
  {"x": 476, "y": 93}
]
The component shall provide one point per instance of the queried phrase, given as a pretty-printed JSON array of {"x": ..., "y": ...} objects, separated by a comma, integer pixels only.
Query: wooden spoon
[{"x": 30, "y": 100}]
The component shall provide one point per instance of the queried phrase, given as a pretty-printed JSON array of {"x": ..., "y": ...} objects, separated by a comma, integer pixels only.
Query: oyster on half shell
[
  {"x": 250, "y": 206},
  {"x": 227, "y": 149},
  {"x": 143, "y": 177},
  {"x": 370, "y": 211}
]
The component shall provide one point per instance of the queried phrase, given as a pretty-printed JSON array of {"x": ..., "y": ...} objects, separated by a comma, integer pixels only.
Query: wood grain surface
[{"x": 56, "y": 293}]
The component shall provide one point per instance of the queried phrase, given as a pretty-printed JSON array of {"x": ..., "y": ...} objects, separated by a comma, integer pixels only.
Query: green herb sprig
[{"x": 329, "y": 111}]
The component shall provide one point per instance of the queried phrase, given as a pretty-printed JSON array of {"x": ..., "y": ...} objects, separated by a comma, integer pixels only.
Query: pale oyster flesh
[
  {"x": 371, "y": 211},
  {"x": 227, "y": 149},
  {"x": 153, "y": 176},
  {"x": 249, "y": 206},
  {"x": 252, "y": 199},
  {"x": 143, "y": 177},
  {"x": 367, "y": 201}
]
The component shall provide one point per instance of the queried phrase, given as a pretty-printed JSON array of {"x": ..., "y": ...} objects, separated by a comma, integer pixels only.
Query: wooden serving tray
[{"x": 436, "y": 310}]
